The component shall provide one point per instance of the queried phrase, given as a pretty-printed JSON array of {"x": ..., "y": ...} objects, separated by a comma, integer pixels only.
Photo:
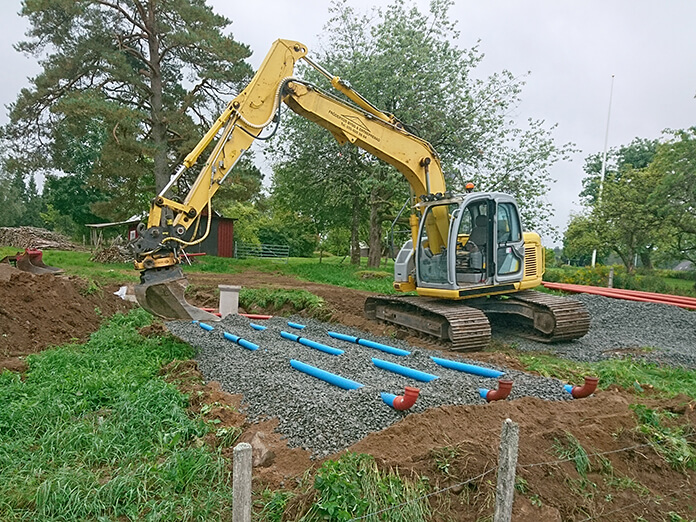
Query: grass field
[{"x": 93, "y": 432}]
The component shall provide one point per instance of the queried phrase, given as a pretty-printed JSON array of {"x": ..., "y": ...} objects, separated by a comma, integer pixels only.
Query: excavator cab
[{"x": 481, "y": 246}]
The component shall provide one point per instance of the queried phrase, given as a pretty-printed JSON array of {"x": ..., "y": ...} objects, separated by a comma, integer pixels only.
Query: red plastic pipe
[
  {"x": 587, "y": 389},
  {"x": 504, "y": 389},
  {"x": 631, "y": 295},
  {"x": 248, "y": 316},
  {"x": 408, "y": 399},
  {"x": 257, "y": 316}
]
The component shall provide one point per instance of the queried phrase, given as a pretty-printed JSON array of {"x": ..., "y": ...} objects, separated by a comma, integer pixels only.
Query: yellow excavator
[{"x": 468, "y": 255}]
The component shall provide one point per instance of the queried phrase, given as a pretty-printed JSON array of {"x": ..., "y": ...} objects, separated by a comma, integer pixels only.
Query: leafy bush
[{"x": 599, "y": 276}]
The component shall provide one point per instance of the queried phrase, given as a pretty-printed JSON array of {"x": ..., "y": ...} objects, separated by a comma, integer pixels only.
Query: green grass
[
  {"x": 352, "y": 486},
  {"x": 269, "y": 299},
  {"x": 674, "y": 444},
  {"x": 333, "y": 270},
  {"x": 94, "y": 433},
  {"x": 627, "y": 373},
  {"x": 78, "y": 264},
  {"x": 571, "y": 449}
]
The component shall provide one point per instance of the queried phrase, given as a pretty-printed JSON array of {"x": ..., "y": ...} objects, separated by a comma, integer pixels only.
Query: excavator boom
[
  {"x": 159, "y": 245},
  {"x": 469, "y": 247}
]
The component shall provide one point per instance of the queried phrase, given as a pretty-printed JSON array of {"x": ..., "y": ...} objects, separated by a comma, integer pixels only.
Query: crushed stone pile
[
  {"x": 318, "y": 416},
  {"x": 654, "y": 332},
  {"x": 33, "y": 237}
]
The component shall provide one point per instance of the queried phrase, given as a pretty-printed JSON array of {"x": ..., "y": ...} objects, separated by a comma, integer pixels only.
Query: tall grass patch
[
  {"x": 353, "y": 487},
  {"x": 93, "y": 432},
  {"x": 628, "y": 373}
]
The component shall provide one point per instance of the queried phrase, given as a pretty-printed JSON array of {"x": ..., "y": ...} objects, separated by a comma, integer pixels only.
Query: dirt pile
[
  {"x": 455, "y": 449},
  {"x": 32, "y": 237},
  {"x": 37, "y": 311}
]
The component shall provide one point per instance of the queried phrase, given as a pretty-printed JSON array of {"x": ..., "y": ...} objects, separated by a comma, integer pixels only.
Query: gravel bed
[
  {"x": 655, "y": 332},
  {"x": 319, "y": 416}
]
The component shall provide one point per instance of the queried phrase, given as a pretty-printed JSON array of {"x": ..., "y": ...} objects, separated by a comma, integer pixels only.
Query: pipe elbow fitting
[
  {"x": 504, "y": 389},
  {"x": 407, "y": 400},
  {"x": 401, "y": 402},
  {"x": 587, "y": 389}
]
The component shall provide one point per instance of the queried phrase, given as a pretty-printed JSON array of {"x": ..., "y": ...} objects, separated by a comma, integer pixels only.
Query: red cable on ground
[
  {"x": 630, "y": 295},
  {"x": 248, "y": 316}
]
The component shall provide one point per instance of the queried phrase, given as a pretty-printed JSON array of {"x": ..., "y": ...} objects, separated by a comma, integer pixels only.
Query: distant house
[
  {"x": 220, "y": 240},
  {"x": 684, "y": 266},
  {"x": 129, "y": 226}
]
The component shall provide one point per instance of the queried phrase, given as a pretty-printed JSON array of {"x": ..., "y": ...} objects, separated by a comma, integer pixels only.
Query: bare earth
[{"x": 449, "y": 445}]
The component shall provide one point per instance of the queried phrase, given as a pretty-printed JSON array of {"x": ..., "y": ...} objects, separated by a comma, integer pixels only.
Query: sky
[{"x": 571, "y": 49}]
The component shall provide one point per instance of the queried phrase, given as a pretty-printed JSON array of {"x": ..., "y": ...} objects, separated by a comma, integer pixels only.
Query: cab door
[{"x": 509, "y": 242}]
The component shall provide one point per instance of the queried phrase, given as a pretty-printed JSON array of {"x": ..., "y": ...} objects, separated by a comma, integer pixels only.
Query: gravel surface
[
  {"x": 324, "y": 419},
  {"x": 319, "y": 416},
  {"x": 656, "y": 332}
]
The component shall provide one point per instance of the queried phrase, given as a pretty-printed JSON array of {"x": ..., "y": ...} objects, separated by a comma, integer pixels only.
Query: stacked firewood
[
  {"x": 113, "y": 254},
  {"x": 33, "y": 237}
]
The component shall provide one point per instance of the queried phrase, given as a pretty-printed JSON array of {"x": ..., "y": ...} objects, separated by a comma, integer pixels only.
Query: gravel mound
[
  {"x": 655, "y": 332},
  {"x": 319, "y": 416}
]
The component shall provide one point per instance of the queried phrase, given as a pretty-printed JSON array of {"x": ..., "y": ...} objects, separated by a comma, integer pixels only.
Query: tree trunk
[
  {"x": 355, "y": 232},
  {"x": 646, "y": 260},
  {"x": 375, "y": 242},
  {"x": 159, "y": 127}
]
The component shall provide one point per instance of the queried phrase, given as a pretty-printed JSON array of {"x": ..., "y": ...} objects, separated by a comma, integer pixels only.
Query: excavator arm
[{"x": 159, "y": 246}]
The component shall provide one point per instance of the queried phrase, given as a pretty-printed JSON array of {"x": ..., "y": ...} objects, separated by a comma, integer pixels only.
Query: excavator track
[
  {"x": 547, "y": 318},
  {"x": 466, "y": 328},
  {"x": 465, "y": 325}
]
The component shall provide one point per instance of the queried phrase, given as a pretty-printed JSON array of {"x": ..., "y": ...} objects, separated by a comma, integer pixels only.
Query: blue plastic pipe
[
  {"x": 468, "y": 368},
  {"x": 404, "y": 370},
  {"x": 312, "y": 344},
  {"x": 325, "y": 376},
  {"x": 297, "y": 326},
  {"x": 388, "y": 398},
  {"x": 258, "y": 326},
  {"x": 241, "y": 342},
  {"x": 205, "y": 326},
  {"x": 369, "y": 344}
]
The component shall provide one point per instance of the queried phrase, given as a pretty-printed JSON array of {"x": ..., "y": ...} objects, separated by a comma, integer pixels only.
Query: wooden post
[
  {"x": 507, "y": 462},
  {"x": 241, "y": 483},
  {"x": 610, "y": 284}
]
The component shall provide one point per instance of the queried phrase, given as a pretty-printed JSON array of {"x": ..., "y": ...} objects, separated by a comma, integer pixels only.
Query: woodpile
[
  {"x": 112, "y": 254},
  {"x": 33, "y": 237}
]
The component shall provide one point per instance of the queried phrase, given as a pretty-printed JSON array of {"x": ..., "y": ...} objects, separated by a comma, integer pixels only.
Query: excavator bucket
[
  {"x": 31, "y": 260},
  {"x": 161, "y": 292}
]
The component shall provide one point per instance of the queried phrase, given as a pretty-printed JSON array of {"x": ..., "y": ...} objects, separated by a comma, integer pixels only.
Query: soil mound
[{"x": 37, "y": 311}]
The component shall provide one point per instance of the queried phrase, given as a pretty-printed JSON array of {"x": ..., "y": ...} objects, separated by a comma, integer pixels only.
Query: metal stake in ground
[
  {"x": 241, "y": 483},
  {"x": 507, "y": 462}
]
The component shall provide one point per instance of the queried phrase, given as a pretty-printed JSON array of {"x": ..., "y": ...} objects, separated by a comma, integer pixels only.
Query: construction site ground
[{"x": 449, "y": 445}]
